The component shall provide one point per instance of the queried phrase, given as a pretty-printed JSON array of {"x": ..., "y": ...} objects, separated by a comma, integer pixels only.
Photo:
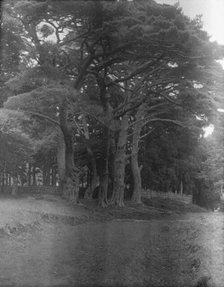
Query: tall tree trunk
[
  {"x": 119, "y": 164},
  {"x": 1, "y": 179},
  {"x": 48, "y": 176},
  {"x": 61, "y": 157},
  {"x": 136, "y": 196},
  {"x": 2, "y": 182},
  {"x": 71, "y": 179},
  {"x": 136, "y": 171},
  {"x": 181, "y": 186},
  {"x": 34, "y": 175},
  {"x": 103, "y": 201},
  {"x": 29, "y": 174},
  {"x": 54, "y": 176},
  {"x": 94, "y": 180},
  {"x": 10, "y": 180},
  {"x": 44, "y": 174},
  {"x": 15, "y": 186}
]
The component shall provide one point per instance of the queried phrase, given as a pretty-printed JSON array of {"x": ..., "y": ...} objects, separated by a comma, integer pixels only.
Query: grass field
[{"x": 48, "y": 242}]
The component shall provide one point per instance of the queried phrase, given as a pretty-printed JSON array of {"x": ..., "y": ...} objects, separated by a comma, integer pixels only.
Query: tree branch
[
  {"x": 73, "y": 39},
  {"x": 115, "y": 50},
  {"x": 86, "y": 64},
  {"x": 42, "y": 116},
  {"x": 167, "y": 120}
]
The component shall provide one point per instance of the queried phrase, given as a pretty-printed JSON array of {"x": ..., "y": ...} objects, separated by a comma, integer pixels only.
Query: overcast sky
[{"x": 212, "y": 11}]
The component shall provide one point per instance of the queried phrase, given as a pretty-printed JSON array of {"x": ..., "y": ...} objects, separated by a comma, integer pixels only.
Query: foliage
[
  {"x": 16, "y": 145},
  {"x": 86, "y": 65}
]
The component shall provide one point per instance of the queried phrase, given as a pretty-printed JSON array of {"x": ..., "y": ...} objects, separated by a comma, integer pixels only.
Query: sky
[{"x": 212, "y": 12}]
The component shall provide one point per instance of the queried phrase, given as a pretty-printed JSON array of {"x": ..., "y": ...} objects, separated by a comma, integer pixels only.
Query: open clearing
[{"x": 48, "y": 242}]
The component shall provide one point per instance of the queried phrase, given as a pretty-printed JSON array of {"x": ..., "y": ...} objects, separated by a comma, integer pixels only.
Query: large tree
[{"x": 103, "y": 60}]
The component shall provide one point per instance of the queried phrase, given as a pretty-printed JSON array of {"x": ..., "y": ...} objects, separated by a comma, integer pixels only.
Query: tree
[
  {"x": 16, "y": 145},
  {"x": 79, "y": 57}
]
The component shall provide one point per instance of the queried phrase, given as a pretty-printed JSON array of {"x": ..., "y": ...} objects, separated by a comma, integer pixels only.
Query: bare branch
[
  {"x": 43, "y": 116},
  {"x": 167, "y": 120},
  {"x": 73, "y": 39},
  {"x": 146, "y": 134}
]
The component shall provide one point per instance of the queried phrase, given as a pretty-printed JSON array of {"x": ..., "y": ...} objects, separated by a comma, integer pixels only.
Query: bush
[{"x": 204, "y": 194}]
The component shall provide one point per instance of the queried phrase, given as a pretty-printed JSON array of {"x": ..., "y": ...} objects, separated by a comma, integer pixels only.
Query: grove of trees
[{"x": 112, "y": 95}]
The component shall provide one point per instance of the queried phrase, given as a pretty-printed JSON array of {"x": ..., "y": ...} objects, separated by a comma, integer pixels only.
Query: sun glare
[{"x": 208, "y": 130}]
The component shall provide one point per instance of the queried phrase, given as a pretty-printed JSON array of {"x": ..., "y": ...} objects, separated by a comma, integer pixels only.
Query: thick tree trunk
[
  {"x": 103, "y": 200},
  {"x": 94, "y": 181},
  {"x": 136, "y": 196},
  {"x": 70, "y": 187},
  {"x": 119, "y": 165},
  {"x": 71, "y": 181},
  {"x": 136, "y": 172}
]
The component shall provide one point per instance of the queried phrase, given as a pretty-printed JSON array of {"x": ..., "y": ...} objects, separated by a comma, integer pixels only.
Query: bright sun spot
[
  {"x": 208, "y": 130},
  {"x": 221, "y": 62}
]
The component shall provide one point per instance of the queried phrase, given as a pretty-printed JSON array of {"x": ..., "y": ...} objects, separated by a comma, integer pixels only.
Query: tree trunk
[
  {"x": 1, "y": 178},
  {"x": 34, "y": 175},
  {"x": 71, "y": 181},
  {"x": 10, "y": 180},
  {"x": 70, "y": 188},
  {"x": 61, "y": 157},
  {"x": 94, "y": 180},
  {"x": 15, "y": 186},
  {"x": 48, "y": 176},
  {"x": 2, "y": 182},
  {"x": 181, "y": 186},
  {"x": 119, "y": 165},
  {"x": 103, "y": 201},
  {"x": 29, "y": 174},
  {"x": 136, "y": 172},
  {"x": 44, "y": 175},
  {"x": 136, "y": 196},
  {"x": 54, "y": 176}
]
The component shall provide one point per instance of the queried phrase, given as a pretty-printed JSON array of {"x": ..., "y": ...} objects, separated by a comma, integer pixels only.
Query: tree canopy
[{"x": 119, "y": 91}]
